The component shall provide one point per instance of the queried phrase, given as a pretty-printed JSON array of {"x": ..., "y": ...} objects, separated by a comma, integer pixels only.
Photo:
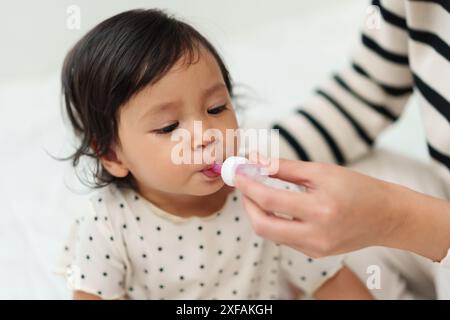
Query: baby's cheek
[{"x": 165, "y": 174}]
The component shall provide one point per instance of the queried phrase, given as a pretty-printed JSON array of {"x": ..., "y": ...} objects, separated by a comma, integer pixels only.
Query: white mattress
[{"x": 35, "y": 206}]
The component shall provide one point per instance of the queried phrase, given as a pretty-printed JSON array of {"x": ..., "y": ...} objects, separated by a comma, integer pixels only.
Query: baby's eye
[
  {"x": 167, "y": 129},
  {"x": 217, "y": 110}
]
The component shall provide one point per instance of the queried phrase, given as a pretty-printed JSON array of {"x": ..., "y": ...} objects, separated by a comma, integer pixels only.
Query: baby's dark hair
[{"x": 113, "y": 62}]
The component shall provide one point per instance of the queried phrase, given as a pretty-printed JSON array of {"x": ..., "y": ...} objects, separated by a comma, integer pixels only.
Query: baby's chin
[{"x": 204, "y": 188}]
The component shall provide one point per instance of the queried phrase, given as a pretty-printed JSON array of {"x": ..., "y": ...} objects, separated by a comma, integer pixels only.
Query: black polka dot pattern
[{"x": 227, "y": 255}]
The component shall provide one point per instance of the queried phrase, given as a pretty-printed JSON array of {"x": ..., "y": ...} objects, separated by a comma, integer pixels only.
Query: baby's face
[{"x": 187, "y": 93}]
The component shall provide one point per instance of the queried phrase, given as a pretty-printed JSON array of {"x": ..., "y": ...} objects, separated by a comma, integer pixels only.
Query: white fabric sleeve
[
  {"x": 91, "y": 261},
  {"x": 307, "y": 273},
  {"x": 340, "y": 122}
]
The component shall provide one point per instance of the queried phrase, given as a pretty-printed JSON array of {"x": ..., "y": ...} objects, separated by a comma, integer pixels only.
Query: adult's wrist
[{"x": 419, "y": 223}]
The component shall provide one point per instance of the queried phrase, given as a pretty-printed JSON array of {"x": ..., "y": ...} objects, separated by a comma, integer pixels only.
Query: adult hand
[{"x": 342, "y": 210}]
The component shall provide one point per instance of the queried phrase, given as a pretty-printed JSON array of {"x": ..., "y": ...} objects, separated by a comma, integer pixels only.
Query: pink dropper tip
[{"x": 216, "y": 168}]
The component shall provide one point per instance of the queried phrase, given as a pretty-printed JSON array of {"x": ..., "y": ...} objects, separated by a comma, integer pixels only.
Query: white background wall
[{"x": 281, "y": 50}]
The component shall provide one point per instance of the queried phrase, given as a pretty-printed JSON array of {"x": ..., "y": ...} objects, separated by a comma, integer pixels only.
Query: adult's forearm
[{"x": 422, "y": 223}]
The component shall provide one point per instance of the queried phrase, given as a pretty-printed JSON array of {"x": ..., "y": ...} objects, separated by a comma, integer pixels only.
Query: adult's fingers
[
  {"x": 279, "y": 230},
  {"x": 294, "y": 203},
  {"x": 295, "y": 171},
  {"x": 270, "y": 165}
]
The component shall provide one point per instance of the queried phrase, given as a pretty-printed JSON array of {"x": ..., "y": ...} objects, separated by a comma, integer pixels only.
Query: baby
[{"x": 158, "y": 229}]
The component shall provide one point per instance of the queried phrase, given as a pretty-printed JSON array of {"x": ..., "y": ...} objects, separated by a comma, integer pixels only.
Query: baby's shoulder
[
  {"x": 110, "y": 204},
  {"x": 108, "y": 195},
  {"x": 113, "y": 195}
]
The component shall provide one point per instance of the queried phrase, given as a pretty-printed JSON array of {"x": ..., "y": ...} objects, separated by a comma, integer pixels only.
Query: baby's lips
[{"x": 217, "y": 167}]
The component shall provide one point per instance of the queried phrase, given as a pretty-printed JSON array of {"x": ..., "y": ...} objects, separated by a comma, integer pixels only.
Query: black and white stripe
[{"x": 409, "y": 53}]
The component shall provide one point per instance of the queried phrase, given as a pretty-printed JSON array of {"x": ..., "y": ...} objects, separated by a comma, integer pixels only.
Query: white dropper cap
[
  {"x": 228, "y": 171},
  {"x": 232, "y": 164}
]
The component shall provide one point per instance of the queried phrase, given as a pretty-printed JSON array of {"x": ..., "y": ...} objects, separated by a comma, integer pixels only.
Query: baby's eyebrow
[
  {"x": 160, "y": 107},
  {"x": 216, "y": 87},
  {"x": 163, "y": 106}
]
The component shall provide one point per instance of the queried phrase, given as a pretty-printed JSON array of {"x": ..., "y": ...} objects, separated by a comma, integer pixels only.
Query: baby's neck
[{"x": 186, "y": 206}]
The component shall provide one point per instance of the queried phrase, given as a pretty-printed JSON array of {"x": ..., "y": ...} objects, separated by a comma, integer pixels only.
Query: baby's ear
[{"x": 112, "y": 163}]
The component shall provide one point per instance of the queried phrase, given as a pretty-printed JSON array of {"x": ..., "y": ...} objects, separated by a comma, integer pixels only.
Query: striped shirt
[{"x": 408, "y": 52}]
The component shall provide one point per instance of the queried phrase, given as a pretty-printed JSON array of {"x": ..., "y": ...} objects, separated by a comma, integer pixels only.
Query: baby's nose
[{"x": 205, "y": 143}]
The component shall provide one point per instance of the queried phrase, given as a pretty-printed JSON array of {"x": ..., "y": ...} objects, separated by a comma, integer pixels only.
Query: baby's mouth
[{"x": 212, "y": 170}]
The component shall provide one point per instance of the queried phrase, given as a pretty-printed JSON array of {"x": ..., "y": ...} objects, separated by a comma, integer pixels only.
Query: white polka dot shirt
[{"x": 127, "y": 248}]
